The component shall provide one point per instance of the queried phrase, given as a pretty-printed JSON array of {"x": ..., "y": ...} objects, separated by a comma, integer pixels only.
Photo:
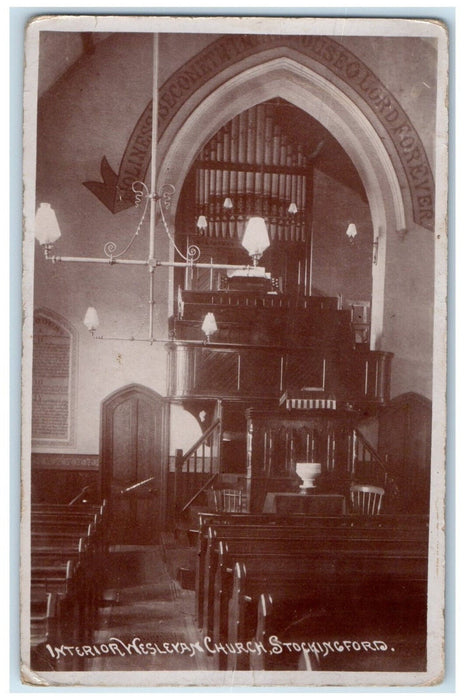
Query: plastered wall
[
  {"x": 339, "y": 265},
  {"x": 90, "y": 112}
]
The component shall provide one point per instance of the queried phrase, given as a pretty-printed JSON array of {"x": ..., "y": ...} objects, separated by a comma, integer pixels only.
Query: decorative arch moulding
[{"x": 116, "y": 189}]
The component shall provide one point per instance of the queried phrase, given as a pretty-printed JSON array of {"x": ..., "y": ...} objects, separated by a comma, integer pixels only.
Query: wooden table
[{"x": 309, "y": 504}]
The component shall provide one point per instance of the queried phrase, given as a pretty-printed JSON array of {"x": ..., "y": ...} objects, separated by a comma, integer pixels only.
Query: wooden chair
[
  {"x": 366, "y": 499},
  {"x": 227, "y": 500},
  {"x": 232, "y": 501}
]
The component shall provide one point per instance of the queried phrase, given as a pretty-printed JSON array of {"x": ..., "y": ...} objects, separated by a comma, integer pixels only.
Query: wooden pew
[
  {"x": 209, "y": 552},
  {"x": 243, "y": 538},
  {"x": 66, "y": 573},
  {"x": 222, "y": 554},
  {"x": 41, "y": 613},
  {"x": 60, "y": 513},
  {"x": 327, "y": 553},
  {"x": 43, "y": 515},
  {"x": 332, "y": 592},
  {"x": 66, "y": 542},
  {"x": 66, "y": 507},
  {"x": 63, "y": 524},
  {"x": 227, "y": 520},
  {"x": 337, "y": 548},
  {"x": 84, "y": 520},
  {"x": 345, "y": 637},
  {"x": 225, "y": 523},
  {"x": 86, "y": 509},
  {"x": 59, "y": 581}
]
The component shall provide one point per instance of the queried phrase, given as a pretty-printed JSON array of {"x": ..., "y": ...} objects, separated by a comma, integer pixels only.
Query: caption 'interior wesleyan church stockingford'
[{"x": 231, "y": 465}]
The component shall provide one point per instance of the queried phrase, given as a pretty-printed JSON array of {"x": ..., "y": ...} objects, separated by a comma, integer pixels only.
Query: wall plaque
[{"x": 52, "y": 395}]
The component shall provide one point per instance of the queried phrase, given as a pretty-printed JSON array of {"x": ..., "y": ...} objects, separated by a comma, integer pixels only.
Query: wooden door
[
  {"x": 405, "y": 442},
  {"x": 133, "y": 452}
]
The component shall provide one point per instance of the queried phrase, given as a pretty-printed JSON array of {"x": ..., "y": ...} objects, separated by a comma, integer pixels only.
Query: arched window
[{"x": 53, "y": 380}]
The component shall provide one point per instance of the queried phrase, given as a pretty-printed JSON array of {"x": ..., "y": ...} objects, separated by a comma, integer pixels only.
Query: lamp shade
[
  {"x": 91, "y": 319},
  {"x": 47, "y": 230},
  {"x": 209, "y": 324},
  {"x": 351, "y": 231},
  {"x": 227, "y": 204},
  {"x": 202, "y": 222},
  {"x": 256, "y": 239},
  {"x": 292, "y": 209}
]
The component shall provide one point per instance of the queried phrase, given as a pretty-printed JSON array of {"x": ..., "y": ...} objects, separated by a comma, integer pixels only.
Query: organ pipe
[{"x": 251, "y": 161}]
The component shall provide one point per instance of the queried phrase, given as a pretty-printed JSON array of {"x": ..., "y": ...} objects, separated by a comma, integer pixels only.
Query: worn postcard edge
[{"x": 387, "y": 27}]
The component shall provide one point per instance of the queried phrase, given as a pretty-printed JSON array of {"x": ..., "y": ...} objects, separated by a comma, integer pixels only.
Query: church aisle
[{"x": 147, "y": 617}]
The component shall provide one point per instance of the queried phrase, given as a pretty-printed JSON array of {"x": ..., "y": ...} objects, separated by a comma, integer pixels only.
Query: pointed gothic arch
[{"x": 297, "y": 83}]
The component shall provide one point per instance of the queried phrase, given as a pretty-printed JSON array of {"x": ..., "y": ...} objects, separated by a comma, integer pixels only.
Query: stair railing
[
  {"x": 366, "y": 463},
  {"x": 79, "y": 498},
  {"x": 203, "y": 488},
  {"x": 199, "y": 462},
  {"x": 198, "y": 467},
  {"x": 137, "y": 486}
]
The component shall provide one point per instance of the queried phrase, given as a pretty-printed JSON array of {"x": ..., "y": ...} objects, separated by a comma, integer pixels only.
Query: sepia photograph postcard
[{"x": 234, "y": 352}]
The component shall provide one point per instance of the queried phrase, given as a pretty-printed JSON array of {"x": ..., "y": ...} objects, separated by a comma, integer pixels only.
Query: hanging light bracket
[{"x": 255, "y": 240}]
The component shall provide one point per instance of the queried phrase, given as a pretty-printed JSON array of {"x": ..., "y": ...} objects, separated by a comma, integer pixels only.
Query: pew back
[
  {"x": 65, "y": 542},
  {"x": 304, "y": 561}
]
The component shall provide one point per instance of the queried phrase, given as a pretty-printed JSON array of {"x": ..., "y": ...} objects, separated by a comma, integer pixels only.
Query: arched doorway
[{"x": 132, "y": 450}]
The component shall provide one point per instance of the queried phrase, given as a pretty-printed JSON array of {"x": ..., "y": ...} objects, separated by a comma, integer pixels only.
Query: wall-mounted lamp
[
  {"x": 91, "y": 320},
  {"x": 47, "y": 230},
  {"x": 209, "y": 325},
  {"x": 351, "y": 232},
  {"x": 202, "y": 222}
]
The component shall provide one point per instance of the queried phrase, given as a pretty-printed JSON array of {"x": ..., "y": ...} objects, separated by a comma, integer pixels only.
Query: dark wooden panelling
[
  {"x": 217, "y": 372},
  {"x": 359, "y": 378},
  {"x": 62, "y": 485}
]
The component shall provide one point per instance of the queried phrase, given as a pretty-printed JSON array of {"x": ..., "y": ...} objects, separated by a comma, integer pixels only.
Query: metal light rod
[
  {"x": 165, "y": 341},
  {"x": 187, "y": 341},
  {"x": 207, "y": 266},
  {"x": 106, "y": 261},
  {"x": 149, "y": 263},
  {"x": 153, "y": 180},
  {"x": 153, "y": 154}
]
